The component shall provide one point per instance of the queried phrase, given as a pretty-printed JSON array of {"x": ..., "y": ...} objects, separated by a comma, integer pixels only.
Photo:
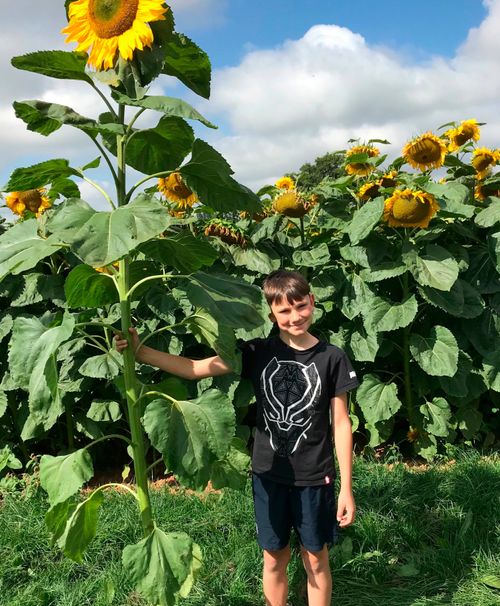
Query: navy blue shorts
[{"x": 310, "y": 510}]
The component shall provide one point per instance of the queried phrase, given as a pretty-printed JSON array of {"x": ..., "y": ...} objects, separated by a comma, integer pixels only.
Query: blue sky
[{"x": 291, "y": 80}]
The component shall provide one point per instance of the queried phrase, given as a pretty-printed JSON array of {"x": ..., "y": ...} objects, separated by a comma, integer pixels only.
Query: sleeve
[
  {"x": 248, "y": 349},
  {"x": 344, "y": 377}
]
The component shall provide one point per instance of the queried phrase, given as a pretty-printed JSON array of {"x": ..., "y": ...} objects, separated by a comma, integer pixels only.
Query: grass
[{"x": 422, "y": 537}]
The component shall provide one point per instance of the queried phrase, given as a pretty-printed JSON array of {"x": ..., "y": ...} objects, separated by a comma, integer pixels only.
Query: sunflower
[
  {"x": 481, "y": 191},
  {"x": 32, "y": 200},
  {"x": 408, "y": 208},
  {"x": 174, "y": 188},
  {"x": 425, "y": 151},
  {"x": 483, "y": 159},
  {"x": 285, "y": 183},
  {"x": 413, "y": 434},
  {"x": 468, "y": 129},
  {"x": 368, "y": 191},
  {"x": 111, "y": 26},
  {"x": 361, "y": 168},
  {"x": 290, "y": 204},
  {"x": 389, "y": 179}
]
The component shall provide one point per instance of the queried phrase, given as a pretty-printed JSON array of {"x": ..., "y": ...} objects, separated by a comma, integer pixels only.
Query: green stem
[
  {"x": 104, "y": 98},
  {"x": 111, "y": 436},
  {"x": 107, "y": 160},
  {"x": 153, "y": 465},
  {"x": 98, "y": 187},
  {"x": 163, "y": 173},
  {"x": 148, "y": 279},
  {"x": 138, "y": 442},
  {"x": 406, "y": 357},
  {"x": 117, "y": 485},
  {"x": 302, "y": 231}
]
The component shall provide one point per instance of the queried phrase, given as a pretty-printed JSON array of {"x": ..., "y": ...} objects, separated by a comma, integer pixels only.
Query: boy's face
[{"x": 293, "y": 317}]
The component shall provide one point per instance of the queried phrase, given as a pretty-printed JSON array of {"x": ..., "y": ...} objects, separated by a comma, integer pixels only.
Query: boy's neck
[{"x": 304, "y": 341}]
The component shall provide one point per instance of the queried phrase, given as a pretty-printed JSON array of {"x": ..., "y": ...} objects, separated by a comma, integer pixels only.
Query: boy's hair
[{"x": 283, "y": 284}]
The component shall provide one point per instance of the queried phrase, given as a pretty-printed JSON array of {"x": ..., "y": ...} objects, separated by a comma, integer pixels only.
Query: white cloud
[{"x": 287, "y": 105}]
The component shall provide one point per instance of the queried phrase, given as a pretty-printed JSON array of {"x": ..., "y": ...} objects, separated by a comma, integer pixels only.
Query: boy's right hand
[{"x": 121, "y": 343}]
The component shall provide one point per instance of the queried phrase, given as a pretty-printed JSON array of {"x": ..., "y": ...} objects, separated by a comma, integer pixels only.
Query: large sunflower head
[
  {"x": 174, "y": 188},
  {"x": 285, "y": 183},
  {"x": 425, "y": 151},
  {"x": 408, "y": 208},
  {"x": 368, "y": 191},
  {"x": 483, "y": 159},
  {"x": 360, "y": 168},
  {"x": 290, "y": 204},
  {"x": 468, "y": 129},
  {"x": 109, "y": 27},
  {"x": 32, "y": 200}
]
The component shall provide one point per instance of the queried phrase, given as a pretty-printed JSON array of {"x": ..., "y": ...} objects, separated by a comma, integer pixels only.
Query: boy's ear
[
  {"x": 271, "y": 316},
  {"x": 311, "y": 298}
]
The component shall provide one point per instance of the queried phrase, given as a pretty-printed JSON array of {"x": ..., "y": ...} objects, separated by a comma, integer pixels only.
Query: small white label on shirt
[
  {"x": 327, "y": 479},
  {"x": 352, "y": 374}
]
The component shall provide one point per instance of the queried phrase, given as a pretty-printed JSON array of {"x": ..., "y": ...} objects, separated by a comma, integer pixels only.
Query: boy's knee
[
  {"x": 276, "y": 561},
  {"x": 316, "y": 562}
]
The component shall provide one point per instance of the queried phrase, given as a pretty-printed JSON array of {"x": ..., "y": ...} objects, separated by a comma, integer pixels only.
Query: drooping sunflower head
[
  {"x": 32, "y": 200},
  {"x": 290, "y": 204},
  {"x": 174, "y": 188},
  {"x": 409, "y": 208},
  {"x": 483, "y": 191},
  {"x": 360, "y": 168},
  {"x": 467, "y": 130},
  {"x": 228, "y": 232},
  {"x": 389, "y": 179},
  {"x": 426, "y": 151},
  {"x": 483, "y": 159},
  {"x": 285, "y": 183},
  {"x": 368, "y": 191},
  {"x": 108, "y": 27}
]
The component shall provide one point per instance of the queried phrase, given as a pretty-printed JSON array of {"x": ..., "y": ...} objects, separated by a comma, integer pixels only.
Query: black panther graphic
[{"x": 289, "y": 392}]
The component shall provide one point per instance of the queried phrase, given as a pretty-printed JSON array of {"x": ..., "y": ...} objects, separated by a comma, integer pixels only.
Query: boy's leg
[
  {"x": 274, "y": 577},
  {"x": 319, "y": 577}
]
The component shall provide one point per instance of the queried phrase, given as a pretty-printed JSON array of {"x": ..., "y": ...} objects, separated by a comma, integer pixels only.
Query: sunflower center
[
  {"x": 426, "y": 151},
  {"x": 111, "y": 18},
  {"x": 178, "y": 187},
  {"x": 409, "y": 210},
  {"x": 31, "y": 199},
  {"x": 481, "y": 162}
]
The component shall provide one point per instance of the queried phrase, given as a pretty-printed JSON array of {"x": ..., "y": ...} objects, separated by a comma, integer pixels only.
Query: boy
[{"x": 300, "y": 384}]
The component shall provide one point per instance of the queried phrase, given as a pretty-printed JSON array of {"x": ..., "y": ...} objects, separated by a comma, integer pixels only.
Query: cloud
[{"x": 287, "y": 105}]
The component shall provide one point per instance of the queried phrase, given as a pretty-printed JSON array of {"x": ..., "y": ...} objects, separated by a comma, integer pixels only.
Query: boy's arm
[
  {"x": 176, "y": 365},
  {"x": 342, "y": 433}
]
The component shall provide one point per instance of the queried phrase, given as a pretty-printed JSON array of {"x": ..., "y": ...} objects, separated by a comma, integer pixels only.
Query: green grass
[{"x": 421, "y": 538}]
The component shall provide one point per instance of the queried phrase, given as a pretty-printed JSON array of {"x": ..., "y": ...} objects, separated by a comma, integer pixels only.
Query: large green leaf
[
  {"x": 45, "y": 118},
  {"x": 34, "y": 367},
  {"x": 21, "y": 248},
  {"x": 104, "y": 411},
  {"x": 228, "y": 300},
  {"x": 461, "y": 301},
  {"x": 356, "y": 296},
  {"x": 57, "y": 516},
  {"x": 86, "y": 287},
  {"x": 63, "y": 476},
  {"x": 317, "y": 256},
  {"x": 100, "y": 238},
  {"x": 378, "y": 400},
  {"x": 453, "y": 196},
  {"x": 365, "y": 219},
  {"x": 183, "y": 251},
  {"x": 38, "y": 175},
  {"x": 161, "y": 148},
  {"x": 191, "y": 434},
  {"x": 364, "y": 345},
  {"x": 187, "y": 62},
  {"x": 437, "y": 268},
  {"x": 81, "y": 527},
  {"x": 162, "y": 566},
  {"x": 437, "y": 416},
  {"x": 55, "y": 64},
  {"x": 457, "y": 384},
  {"x": 489, "y": 216},
  {"x": 383, "y": 315},
  {"x": 217, "y": 335},
  {"x": 253, "y": 259},
  {"x": 37, "y": 287},
  {"x": 436, "y": 354},
  {"x": 170, "y": 106},
  {"x": 232, "y": 471},
  {"x": 209, "y": 175}
]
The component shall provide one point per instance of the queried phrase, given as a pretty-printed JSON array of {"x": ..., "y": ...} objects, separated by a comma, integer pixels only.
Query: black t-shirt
[{"x": 293, "y": 389}]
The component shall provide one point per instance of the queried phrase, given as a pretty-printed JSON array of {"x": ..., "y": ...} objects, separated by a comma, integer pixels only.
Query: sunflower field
[{"x": 403, "y": 258}]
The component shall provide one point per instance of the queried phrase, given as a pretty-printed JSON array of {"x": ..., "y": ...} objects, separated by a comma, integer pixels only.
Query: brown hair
[{"x": 283, "y": 284}]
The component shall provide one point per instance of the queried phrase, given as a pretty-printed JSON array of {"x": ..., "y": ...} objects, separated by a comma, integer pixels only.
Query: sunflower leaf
[
  {"x": 187, "y": 62},
  {"x": 162, "y": 566},
  {"x": 86, "y": 287},
  {"x": 490, "y": 215},
  {"x": 38, "y": 175},
  {"x": 365, "y": 219},
  {"x": 437, "y": 353},
  {"x": 437, "y": 268},
  {"x": 209, "y": 176},
  {"x": 63, "y": 476},
  {"x": 317, "y": 256},
  {"x": 182, "y": 251},
  {"x": 232, "y": 471},
  {"x": 103, "y": 366},
  {"x": 382, "y": 315},
  {"x": 55, "y": 64},
  {"x": 378, "y": 400},
  {"x": 437, "y": 417},
  {"x": 461, "y": 301},
  {"x": 170, "y": 106}
]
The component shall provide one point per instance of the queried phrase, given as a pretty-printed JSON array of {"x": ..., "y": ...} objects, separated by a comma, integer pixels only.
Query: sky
[{"x": 292, "y": 80}]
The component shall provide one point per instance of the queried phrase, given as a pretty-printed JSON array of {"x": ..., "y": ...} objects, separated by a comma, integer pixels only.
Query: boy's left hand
[{"x": 346, "y": 508}]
